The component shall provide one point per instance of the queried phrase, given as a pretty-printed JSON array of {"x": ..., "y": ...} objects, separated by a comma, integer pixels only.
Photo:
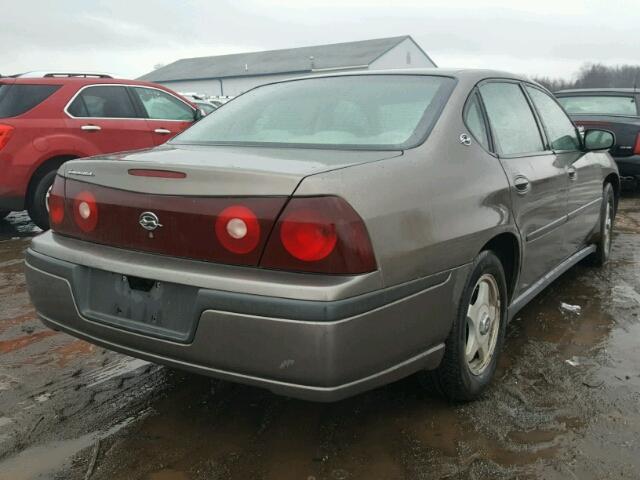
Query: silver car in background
[{"x": 323, "y": 236}]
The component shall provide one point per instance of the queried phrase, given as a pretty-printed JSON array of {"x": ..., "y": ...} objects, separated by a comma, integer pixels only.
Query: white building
[{"x": 234, "y": 74}]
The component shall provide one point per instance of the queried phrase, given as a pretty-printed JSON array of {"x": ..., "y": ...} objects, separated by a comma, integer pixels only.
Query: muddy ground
[{"x": 565, "y": 404}]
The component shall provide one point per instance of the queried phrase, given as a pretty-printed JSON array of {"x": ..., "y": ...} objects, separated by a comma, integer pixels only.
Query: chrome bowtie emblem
[{"x": 149, "y": 221}]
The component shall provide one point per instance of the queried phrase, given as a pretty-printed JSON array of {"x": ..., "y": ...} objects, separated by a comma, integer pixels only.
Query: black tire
[
  {"x": 4, "y": 213},
  {"x": 37, "y": 206},
  {"x": 604, "y": 237},
  {"x": 453, "y": 378}
]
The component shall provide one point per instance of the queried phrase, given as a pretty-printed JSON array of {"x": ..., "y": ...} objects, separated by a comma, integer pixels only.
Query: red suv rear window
[{"x": 16, "y": 99}]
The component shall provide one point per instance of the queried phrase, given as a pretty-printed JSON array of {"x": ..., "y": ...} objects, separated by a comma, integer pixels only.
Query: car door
[
  {"x": 583, "y": 170},
  {"x": 104, "y": 120},
  {"x": 167, "y": 115},
  {"x": 538, "y": 183}
]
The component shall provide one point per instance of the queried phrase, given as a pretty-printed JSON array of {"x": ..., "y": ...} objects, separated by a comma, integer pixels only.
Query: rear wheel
[
  {"x": 607, "y": 215},
  {"x": 477, "y": 335},
  {"x": 38, "y": 210}
]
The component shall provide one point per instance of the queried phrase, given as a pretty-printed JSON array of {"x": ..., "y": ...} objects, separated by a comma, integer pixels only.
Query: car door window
[
  {"x": 514, "y": 127},
  {"x": 560, "y": 130},
  {"x": 160, "y": 105},
  {"x": 474, "y": 121},
  {"x": 103, "y": 101}
]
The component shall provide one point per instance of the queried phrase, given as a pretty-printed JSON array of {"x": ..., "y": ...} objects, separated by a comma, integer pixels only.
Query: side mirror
[
  {"x": 598, "y": 140},
  {"x": 198, "y": 115}
]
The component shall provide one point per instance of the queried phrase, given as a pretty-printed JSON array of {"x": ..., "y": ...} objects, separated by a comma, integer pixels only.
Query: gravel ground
[{"x": 565, "y": 403}]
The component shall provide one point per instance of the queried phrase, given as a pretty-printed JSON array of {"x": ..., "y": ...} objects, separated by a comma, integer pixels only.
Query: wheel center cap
[{"x": 485, "y": 324}]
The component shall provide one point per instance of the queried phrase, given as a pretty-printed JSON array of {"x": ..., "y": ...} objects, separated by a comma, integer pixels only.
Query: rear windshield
[
  {"x": 359, "y": 111},
  {"x": 17, "y": 99},
  {"x": 599, "y": 105}
]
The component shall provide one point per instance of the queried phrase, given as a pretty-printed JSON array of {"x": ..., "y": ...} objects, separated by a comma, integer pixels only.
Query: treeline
[{"x": 596, "y": 76}]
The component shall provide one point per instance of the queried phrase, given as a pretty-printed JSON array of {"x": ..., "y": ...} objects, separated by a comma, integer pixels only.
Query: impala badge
[{"x": 149, "y": 221}]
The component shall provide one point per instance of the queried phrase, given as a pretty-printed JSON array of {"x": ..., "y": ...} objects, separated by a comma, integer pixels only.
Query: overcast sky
[{"x": 543, "y": 37}]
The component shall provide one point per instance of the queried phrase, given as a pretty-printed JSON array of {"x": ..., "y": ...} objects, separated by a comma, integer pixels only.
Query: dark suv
[
  {"x": 49, "y": 118},
  {"x": 614, "y": 109}
]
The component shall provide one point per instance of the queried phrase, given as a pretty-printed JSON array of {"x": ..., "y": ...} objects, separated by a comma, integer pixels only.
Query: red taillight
[
  {"x": 636, "y": 149},
  {"x": 85, "y": 211},
  {"x": 238, "y": 229},
  {"x": 308, "y": 235},
  {"x": 322, "y": 235},
  {"x": 5, "y": 134},
  {"x": 55, "y": 202},
  {"x": 214, "y": 229}
]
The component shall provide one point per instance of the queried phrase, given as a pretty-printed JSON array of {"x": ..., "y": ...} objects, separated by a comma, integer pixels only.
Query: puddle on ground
[{"x": 40, "y": 461}]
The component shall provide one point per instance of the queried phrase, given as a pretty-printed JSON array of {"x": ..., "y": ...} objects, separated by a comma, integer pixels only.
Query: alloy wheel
[
  {"x": 608, "y": 227},
  {"x": 483, "y": 324}
]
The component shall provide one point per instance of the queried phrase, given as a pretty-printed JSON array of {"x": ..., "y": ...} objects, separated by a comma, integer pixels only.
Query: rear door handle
[
  {"x": 573, "y": 174},
  {"x": 90, "y": 128},
  {"x": 522, "y": 184},
  {"x": 162, "y": 131}
]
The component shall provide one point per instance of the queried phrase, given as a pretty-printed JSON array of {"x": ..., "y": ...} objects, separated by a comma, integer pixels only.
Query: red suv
[{"x": 49, "y": 118}]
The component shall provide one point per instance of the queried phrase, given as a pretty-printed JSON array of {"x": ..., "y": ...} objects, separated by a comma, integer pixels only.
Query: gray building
[{"x": 233, "y": 74}]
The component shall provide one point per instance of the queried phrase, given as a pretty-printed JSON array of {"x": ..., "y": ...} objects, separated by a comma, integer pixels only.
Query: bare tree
[{"x": 596, "y": 75}]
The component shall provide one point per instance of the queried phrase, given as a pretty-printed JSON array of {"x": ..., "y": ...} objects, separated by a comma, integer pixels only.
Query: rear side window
[
  {"x": 514, "y": 127},
  {"x": 475, "y": 121},
  {"x": 103, "y": 101},
  {"x": 560, "y": 130},
  {"x": 600, "y": 105},
  {"x": 17, "y": 99},
  {"x": 160, "y": 105}
]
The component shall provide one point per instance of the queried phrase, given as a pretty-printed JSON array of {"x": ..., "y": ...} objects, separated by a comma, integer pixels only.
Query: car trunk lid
[
  {"x": 215, "y": 170},
  {"x": 204, "y": 203}
]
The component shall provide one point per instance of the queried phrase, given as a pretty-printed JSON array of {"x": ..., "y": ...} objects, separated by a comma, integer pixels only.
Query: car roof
[
  {"x": 80, "y": 81},
  {"x": 467, "y": 76},
  {"x": 599, "y": 90},
  {"x": 461, "y": 73}
]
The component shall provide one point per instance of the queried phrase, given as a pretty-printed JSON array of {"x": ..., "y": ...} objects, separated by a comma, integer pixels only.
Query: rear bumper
[
  {"x": 628, "y": 166},
  {"x": 11, "y": 204},
  {"x": 315, "y": 350}
]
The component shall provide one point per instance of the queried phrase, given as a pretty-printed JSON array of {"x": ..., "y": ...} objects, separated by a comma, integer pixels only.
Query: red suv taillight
[
  {"x": 321, "y": 235},
  {"x": 636, "y": 148},
  {"x": 5, "y": 134}
]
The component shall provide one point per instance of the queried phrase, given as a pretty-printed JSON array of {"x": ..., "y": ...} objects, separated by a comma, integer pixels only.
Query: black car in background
[{"x": 614, "y": 109}]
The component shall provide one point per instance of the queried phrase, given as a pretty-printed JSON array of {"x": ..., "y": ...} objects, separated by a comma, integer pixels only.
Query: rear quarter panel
[{"x": 431, "y": 209}]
